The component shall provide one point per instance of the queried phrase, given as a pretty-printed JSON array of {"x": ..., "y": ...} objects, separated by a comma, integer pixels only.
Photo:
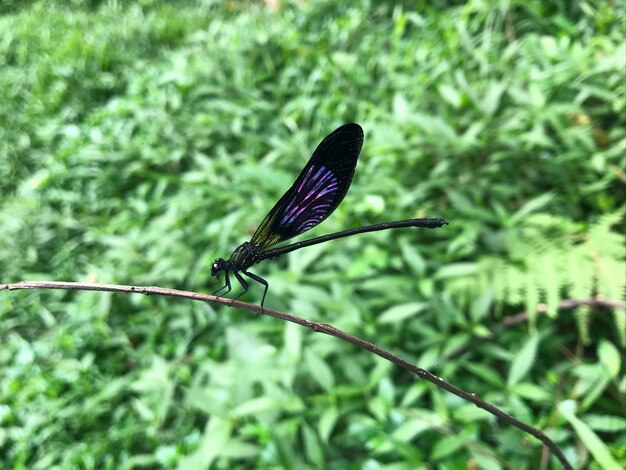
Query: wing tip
[{"x": 351, "y": 126}]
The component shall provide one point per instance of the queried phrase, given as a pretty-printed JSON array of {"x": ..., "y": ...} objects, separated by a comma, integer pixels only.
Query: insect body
[{"x": 316, "y": 193}]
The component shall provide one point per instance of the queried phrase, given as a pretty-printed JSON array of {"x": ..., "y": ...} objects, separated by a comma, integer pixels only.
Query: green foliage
[
  {"x": 141, "y": 140},
  {"x": 549, "y": 258}
]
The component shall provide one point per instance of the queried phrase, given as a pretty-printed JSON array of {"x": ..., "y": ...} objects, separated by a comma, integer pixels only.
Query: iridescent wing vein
[{"x": 318, "y": 190}]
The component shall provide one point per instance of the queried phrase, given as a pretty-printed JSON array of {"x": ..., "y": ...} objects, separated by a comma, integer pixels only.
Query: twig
[
  {"x": 567, "y": 304},
  {"x": 522, "y": 317},
  {"x": 314, "y": 326}
]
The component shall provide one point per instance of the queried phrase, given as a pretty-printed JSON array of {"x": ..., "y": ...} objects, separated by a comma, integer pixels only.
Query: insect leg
[
  {"x": 227, "y": 286},
  {"x": 260, "y": 280},
  {"x": 243, "y": 283}
]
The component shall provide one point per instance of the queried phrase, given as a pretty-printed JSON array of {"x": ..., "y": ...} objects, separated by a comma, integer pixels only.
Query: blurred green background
[{"x": 141, "y": 140}]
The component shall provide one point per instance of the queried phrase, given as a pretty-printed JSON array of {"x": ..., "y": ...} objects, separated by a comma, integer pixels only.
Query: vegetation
[{"x": 141, "y": 140}]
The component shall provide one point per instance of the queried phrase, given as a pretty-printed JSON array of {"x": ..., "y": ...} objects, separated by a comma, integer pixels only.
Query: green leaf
[
  {"x": 312, "y": 447},
  {"x": 609, "y": 358},
  {"x": 606, "y": 423},
  {"x": 485, "y": 461},
  {"x": 551, "y": 283},
  {"x": 239, "y": 449},
  {"x": 523, "y": 360},
  {"x": 378, "y": 407},
  {"x": 319, "y": 370},
  {"x": 400, "y": 106},
  {"x": 327, "y": 422},
  {"x": 486, "y": 373},
  {"x": 399, "y": 313},
  {"x": 255, "y": 406},
  {"x": 531, "y": 300},
  {"x": 491, "y": 100},
  {"x": 531, "y": 392},
  {"x": 450, "y": 94},
  {"x": 413, "y": 258},
  {"x": 589, "y": 439},
  {"x": 533, "y": 205},
  {"x": 410, "y": 429},
  {"x": 457, "y": 270},
  {"x": 216, "y": 436},
  {"x": 446, "y": 446},
  {"x": 470, "y": 413},
  {"x": 482, "y": 304}
]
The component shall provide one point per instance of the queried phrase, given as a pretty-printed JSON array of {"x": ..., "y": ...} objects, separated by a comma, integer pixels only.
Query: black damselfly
[{"x": 315, "y": 194}]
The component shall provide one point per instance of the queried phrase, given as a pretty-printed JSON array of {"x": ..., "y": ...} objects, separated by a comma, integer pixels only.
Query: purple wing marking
[
  {"x": 312, "y": 200},
  {"x": 320, "y": 187}
]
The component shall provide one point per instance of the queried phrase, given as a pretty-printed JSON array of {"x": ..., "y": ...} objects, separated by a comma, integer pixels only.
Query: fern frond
[{"x": 548, "y": 259}]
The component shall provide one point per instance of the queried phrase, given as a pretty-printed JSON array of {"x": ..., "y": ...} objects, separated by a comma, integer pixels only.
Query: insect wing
[{"x": 318, "y": 190}]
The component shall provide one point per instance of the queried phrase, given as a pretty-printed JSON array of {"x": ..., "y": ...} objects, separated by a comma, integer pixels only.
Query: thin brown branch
[
  {"x": 567, "y": 304},
  {"x": 314, "y": 326},
  {"x": 522, "y": 317}
]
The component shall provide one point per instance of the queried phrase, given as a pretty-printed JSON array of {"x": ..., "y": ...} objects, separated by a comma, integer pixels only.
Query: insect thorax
[{"x": 245, "y": 256}]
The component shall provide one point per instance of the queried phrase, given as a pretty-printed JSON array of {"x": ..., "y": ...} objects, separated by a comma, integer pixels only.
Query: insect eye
[{"x": 218, "y": 266}]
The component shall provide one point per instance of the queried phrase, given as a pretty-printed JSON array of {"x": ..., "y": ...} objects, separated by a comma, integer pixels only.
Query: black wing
[{"x": 318, "y": 190}]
